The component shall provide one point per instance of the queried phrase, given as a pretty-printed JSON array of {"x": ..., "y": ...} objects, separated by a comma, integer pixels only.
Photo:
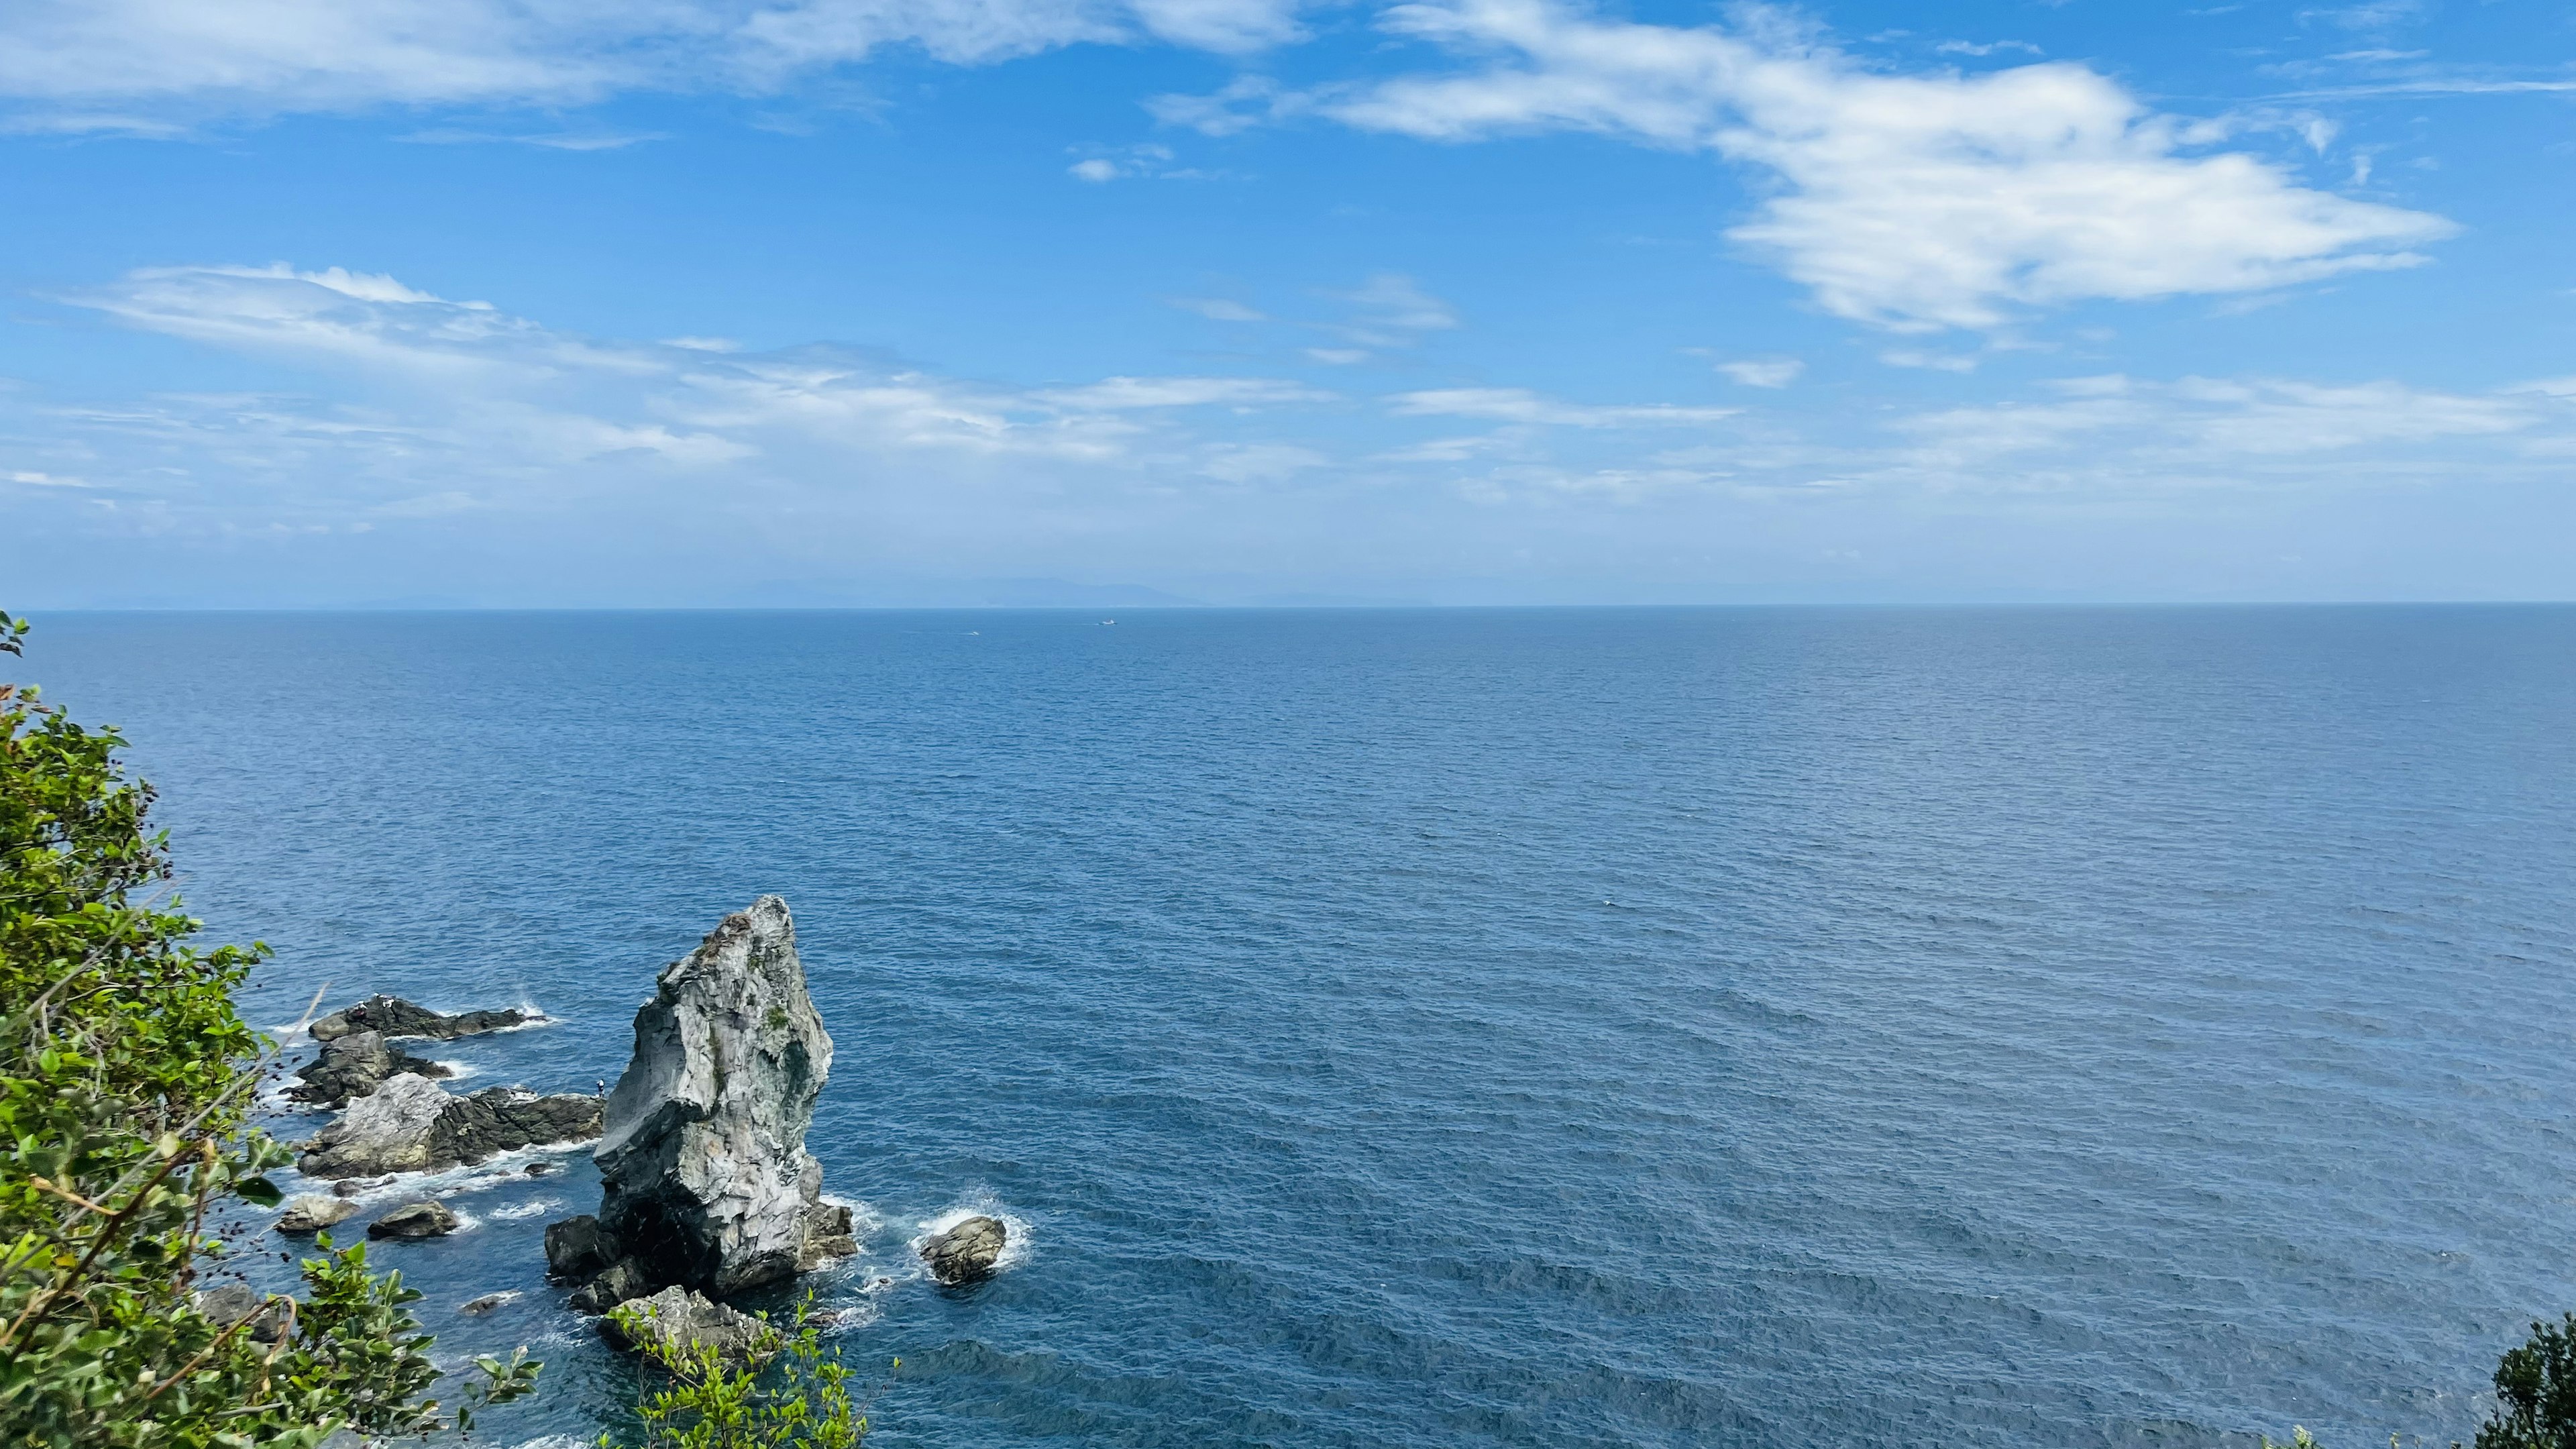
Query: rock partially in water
[
  {"x": 620, "y": 1282},
  {"x": 967, "y": 1251},
  {"x": 486, "y": 1303},
  {"x": 676, "y": 1317},
  {"x": 578, "y": 1248},
  {"x": 385, "y": 1131},
  {"x": 414, "y": 1220},
  {"x": 391, "y": 1016},
  {"x": 704, "y": 1169},
  {"x": 230, "y": 1303},
  {"x": 411, "y": 1124},
  {"x": 354, "y": 1065},
  {"x": 311, "y": 1212},
  {"x": 505, "y": 1119}
]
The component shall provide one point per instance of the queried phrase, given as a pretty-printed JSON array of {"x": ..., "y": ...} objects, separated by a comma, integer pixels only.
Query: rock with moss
[{"x": 705, "y": 1176}]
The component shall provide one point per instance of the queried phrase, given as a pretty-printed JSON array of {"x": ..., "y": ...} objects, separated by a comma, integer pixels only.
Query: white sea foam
[{"x": 535, "y": 1207}]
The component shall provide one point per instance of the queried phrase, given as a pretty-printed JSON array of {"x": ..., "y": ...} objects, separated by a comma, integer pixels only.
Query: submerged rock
[
  {"x": 706, "y": 1180},
  {"x": 311, "y": 1212},
  {"x": 967, "y": 1251},
  {"x": 486, "y": 1303},
  {"x": 414, "y": 1220},
  {"x": 677, "y": 1317},
  {"x": 391, "y": 1016},
  {"x": 411, "y": 1124},
  {"x": 354, "y": 1065}
]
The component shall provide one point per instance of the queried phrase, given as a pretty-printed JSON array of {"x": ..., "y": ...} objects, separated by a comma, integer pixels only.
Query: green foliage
[
  {"x": 124, "y": 1080},
  {"x": 782, "y": 1392},
  {"x": 2536, "y": 1392}
]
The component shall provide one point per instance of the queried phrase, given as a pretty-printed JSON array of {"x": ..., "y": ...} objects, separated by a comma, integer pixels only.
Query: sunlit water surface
[{"x": 1559, "y": 1028}]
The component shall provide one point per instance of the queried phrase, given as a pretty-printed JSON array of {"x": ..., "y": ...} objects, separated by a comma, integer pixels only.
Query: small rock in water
[
  {"x": 414, "y": 1220},
  {"x": 392, "y": 1017},
  {"x": 676, "y": 1317},
  {"x": 540, "y": 1169},
  {"x": 623, "y": 1281},
  {"x": 311, "y": 1212},
  {"x": 486, "y": 1303},
  {"x": 967, "y": 1251}
]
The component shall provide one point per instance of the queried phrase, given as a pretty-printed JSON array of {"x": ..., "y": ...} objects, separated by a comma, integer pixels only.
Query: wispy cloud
[
  {"x": 1519, "y": 405},
  {"x": 1913, "y": 202}
]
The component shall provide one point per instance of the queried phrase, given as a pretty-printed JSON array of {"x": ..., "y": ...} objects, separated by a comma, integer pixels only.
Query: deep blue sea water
[{"x": 1529, "y": 1028}]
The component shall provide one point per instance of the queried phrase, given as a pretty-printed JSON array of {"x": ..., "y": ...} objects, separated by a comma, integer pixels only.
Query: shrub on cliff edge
[{"x": 125, "y": 1076}]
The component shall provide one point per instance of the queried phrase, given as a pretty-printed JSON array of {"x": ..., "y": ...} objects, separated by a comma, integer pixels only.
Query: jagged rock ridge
[
  {"x": 411, "y": 1124},
  {"x": 706, "y": 1181},
  {"x": 394, "y": 1017}
]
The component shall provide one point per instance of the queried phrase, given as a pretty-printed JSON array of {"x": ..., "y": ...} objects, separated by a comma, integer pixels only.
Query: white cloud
[
  {"x": 1218, "y": 309},
  {"x": 1095, "y": 169},
  {"x": 1123, "y": 393},
  {"x": 33, "y": 479},
  {"x": 1914, "y": 202},
  {"x": 1763, "y": 371},
  {"x": 1519, "y": 405},
  {"x": 2207, "y": 422},
  {"x": 265, "y": 56}
]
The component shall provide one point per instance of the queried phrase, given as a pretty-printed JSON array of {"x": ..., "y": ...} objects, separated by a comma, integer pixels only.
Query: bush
[
  {"x": 2536, "y": 1392},
  {"x": 125, "y": 1076},
  {"x": 782, "y": 1392}
]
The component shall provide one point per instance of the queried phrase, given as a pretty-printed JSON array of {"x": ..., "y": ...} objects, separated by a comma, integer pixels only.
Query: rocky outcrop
[
  {"x": 967, "y": 1251},
  {"x": 706, "y": 1180},
  {"x": 230, "y": 1303},
  {"x": 487, "y": 1302},
  {"x": 620, "y": 1283},
  {"x": 354, "y": 1065},
  {"x": 674, "y": 1318},
  {"x": 505, "y": 1119},
  {"x": 578, "y": 1248},
  {"x": 391, "y": 1016},
  {"x": 309, "y": 1213},
  {"x": 411, "y": 1124},
  {"x": 414, "y": 1220}
]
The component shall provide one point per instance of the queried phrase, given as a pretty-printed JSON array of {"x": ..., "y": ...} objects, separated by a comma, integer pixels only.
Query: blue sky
[{"x": 572, "y": 302}]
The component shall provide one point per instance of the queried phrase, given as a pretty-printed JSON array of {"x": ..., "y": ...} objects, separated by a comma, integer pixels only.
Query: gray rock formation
[
  {"x": 354, "y": 1065},
  {"x": 706, "y": 1180},
  {"x": 621, "y": 1282},
  {"x": 414, "y": 1220},
  {"x": 967, "y": 1251},
  {"x": 578, "y": 1248},
  {"x": 309, "y": 1213},
  {"x": 676, "y": 1317},
  {"x": 487, "y": 1302},
  {"x": 391, "y": 1016},
  {"x": 410, "y": 1124},
  {"x": 230, "y": 1303}
]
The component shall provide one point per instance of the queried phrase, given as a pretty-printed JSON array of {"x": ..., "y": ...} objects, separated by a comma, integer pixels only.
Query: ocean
[{"x": 1585, "y": 1027}]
